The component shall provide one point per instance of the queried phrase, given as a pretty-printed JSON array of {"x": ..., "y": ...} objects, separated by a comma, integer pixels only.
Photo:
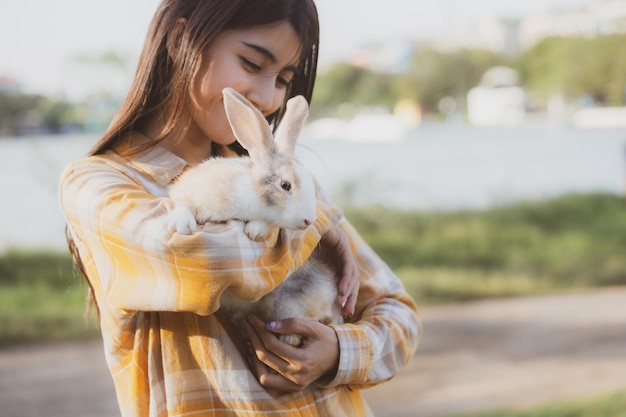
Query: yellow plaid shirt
[{"x": 169, "y": 352}]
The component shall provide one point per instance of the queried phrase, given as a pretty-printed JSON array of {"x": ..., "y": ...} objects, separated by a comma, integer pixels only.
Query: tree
[
  {"x": 575, "y": 67},
  {"x": 440, "y": 74},
  {"x": 432, "y": 76},
  {"x": 32, "y": 112},
  {"x": 347, "y": 83}
]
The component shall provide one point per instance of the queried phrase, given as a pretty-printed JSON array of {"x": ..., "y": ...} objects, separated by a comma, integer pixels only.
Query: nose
[
  {"x": 307, "y": 223},
  {"x": 264, "y": 96}
]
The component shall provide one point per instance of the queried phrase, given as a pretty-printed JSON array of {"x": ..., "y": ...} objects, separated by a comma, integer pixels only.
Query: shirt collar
[{"x": 156, "y": 161}]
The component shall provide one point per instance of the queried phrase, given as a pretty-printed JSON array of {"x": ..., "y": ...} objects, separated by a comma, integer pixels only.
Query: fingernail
[{"x": 274, "y": 325}]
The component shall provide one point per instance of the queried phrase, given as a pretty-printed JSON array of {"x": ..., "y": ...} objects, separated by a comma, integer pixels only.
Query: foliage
[
  {"x": 25, "y": 113},
  {"x": 611, "y": 405},
  {"x": 41, "y": 298},
  {"x": 21, "y": 112},
  {"x": 578, "y": 66},
  {"x": 575, "y": 241},
  {"x": 439, "y": 74},
  {"x": 575, "y": 67},
  {"x": 571, "y": 241},
  {"x": 433, "y": 75},
  {"x": 345, "y": 83}
]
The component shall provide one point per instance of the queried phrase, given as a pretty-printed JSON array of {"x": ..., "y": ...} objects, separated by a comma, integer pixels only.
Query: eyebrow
[{"x": 269, "y": 55}]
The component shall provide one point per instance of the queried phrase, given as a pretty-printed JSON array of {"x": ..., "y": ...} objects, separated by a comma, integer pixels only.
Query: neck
[
  {"x": 192, "y": 151},
  {"x": 189, "y": 144}
]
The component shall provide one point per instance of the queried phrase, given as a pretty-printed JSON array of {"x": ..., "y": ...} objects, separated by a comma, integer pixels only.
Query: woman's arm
[
  {"x": 370, "y": 350},
  {"x": 136, "y": 264},
  {"x": 387, "y": 328}
]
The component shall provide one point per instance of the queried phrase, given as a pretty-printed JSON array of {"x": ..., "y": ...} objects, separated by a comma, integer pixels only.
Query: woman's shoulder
[
  {"x": 94, "y": 164},
  {"x": 126, "y": 156}
]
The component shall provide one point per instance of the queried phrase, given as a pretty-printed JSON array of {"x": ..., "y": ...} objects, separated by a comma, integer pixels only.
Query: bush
[
  {"x": 575, "y": 241},
  {"x": 570, "y": 241},
  {"x": 41, "y": 298}
]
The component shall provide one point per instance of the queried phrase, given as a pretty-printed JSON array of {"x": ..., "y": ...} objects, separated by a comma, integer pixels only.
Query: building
[
  {"x": 511, "y": 36},
  {"x": 498, "y": 100},
  {"x": 599, "y": 17},
  {"x": 499, "y": 35}
]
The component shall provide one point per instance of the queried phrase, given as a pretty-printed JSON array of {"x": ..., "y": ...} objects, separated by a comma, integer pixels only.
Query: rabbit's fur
[{"x": 268, "y": 189}]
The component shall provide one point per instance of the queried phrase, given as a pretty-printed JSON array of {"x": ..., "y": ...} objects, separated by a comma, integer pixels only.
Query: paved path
[
  {"x": 477, "y": 356},
  {"x": 512, "y": 353}
]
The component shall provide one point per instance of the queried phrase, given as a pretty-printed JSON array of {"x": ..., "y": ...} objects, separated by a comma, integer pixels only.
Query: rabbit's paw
[
  {"x": 182, "y": 220},
  {"x": 294, "y": 340},
  {"x": 257, "y": 230}
]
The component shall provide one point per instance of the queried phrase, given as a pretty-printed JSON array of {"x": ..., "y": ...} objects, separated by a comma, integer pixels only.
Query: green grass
[
  {"x": 575, "y": 241},
  {"x": 571, "y": 242},
  {"x": 41, "y": 299},
  {"x": 446, "y": 285},
  {"x": 611, "y": 405}
]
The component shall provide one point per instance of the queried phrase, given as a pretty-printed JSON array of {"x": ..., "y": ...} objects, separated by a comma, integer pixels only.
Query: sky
[{"x": 40, "y": 39}]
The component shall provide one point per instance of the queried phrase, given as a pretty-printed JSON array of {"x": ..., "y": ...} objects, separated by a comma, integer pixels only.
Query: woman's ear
[{"x": 174, "y": 37}]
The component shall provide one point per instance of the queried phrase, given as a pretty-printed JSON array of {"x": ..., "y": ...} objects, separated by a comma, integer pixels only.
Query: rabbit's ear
[
  {"x": 292, "y": 123},
  {"x": 249, "y": 125}
]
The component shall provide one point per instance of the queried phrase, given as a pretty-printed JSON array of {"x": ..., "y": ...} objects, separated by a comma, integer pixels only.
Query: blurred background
[{"x": 486, "y": 143}]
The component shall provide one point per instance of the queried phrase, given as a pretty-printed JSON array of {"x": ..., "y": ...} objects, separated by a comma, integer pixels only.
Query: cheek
[
  {"x": 206, "y": 105},
  {"x": 280, "y": 99}
]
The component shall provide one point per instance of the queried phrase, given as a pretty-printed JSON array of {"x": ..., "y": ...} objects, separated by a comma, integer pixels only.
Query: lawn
[
  {"x": 574, "y": 241},
  {"x": 610, "y": 405}
]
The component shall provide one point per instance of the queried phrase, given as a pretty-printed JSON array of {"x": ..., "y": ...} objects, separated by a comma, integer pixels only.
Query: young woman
[{"x": 169, "y": 351}]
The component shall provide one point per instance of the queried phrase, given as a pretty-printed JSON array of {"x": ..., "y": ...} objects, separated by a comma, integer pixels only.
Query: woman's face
[{"x": 257, "y": 62}]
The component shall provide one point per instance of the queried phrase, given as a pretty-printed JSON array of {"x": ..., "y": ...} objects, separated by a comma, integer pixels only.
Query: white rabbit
[{"x": 268, "y": 189}]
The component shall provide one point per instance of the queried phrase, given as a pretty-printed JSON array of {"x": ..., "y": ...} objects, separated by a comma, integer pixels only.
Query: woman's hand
[
  {"x": 284, "y": 368},
  {"x": 336, "y": 244}
]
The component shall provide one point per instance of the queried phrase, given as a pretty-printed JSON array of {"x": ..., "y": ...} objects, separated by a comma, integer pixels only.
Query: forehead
[{"x": 280, "y": 40}]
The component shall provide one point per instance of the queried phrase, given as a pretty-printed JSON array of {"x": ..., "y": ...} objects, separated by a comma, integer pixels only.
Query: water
[
  {"x": 454, "y": 167},
  {"x": 437, "y": 168},
  {"x": 30, "y": 215}
]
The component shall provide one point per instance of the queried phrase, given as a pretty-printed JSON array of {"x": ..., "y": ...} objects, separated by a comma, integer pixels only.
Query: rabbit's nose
[{"x": 307, "y": 222}]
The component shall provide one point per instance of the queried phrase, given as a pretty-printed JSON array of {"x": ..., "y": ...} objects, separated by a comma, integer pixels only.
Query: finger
[
  {"x": 350, "y": 279},
  {"x": 256, "y": 366},
  {"x": 297, "y": 368},
  {"x": 318, "y": 355},
  {"x": 292, "y": 326},
  {"x": 272, "y": 351},
  {"x": 269, "y": 378},
  {"x": 259, "y": 350},
  {"x": 350, "y": 307},
  {"x": 348, "y": 293},
  {"x": 347, "y": 276}
]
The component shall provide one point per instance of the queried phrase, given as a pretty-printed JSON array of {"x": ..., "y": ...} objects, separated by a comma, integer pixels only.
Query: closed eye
[
  {"x": 283, "y": 82},
  {"x": 250, "y": 65}
]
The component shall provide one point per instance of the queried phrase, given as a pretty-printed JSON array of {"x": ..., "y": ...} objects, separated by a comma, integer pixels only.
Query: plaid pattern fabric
[{"x": 169, "y": 351}]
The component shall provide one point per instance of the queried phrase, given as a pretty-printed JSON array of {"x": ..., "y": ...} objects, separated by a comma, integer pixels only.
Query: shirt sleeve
[
  {"x": 387, "y": 328},
  {"x": 134, "y": 263}
]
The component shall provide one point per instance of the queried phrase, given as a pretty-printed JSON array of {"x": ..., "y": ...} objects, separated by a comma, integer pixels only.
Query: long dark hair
[{"x": 162, "y": 82}]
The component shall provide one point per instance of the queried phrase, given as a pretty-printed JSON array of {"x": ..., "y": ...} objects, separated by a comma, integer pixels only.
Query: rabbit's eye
[{"x": 285, "y": 185}]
